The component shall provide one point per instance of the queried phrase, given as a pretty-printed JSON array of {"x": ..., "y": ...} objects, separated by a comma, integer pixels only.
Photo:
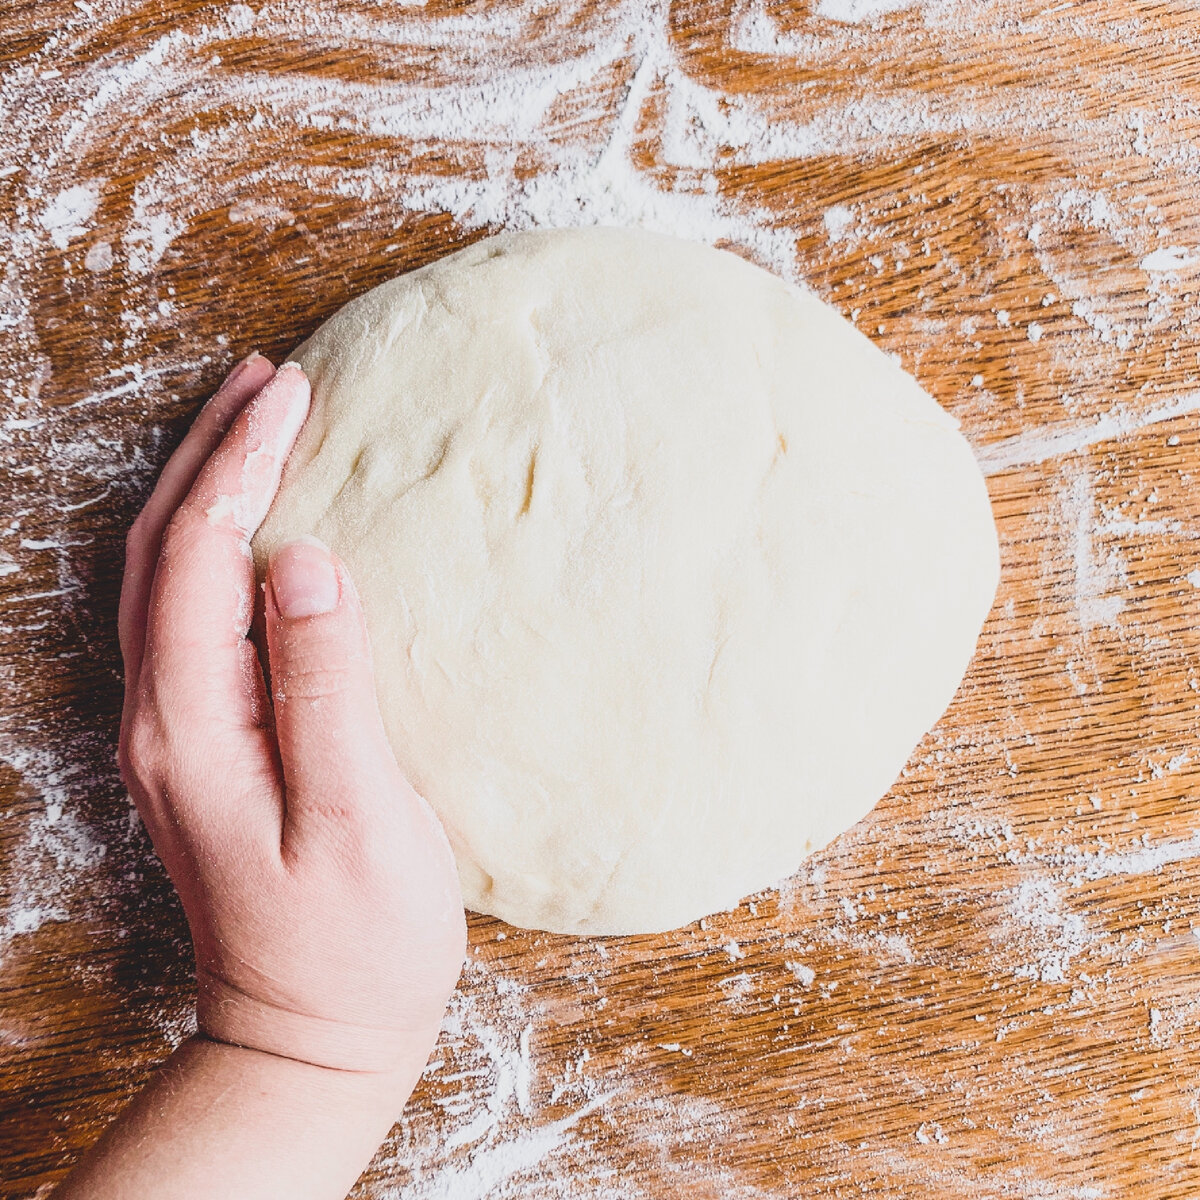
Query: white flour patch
[
  {"x": 1091, "y": 209},
  {"x": 755, "y": 31},
  {"x": 99, "y": 257},
  {"x": 56, "y": 847},
  {"x": 804, "y": 974},
  {"x": 1048, "y": 930},
  {"x": 148, "y": 237},
  {"x": 500, "y": 1169},
  {"x": 1098, "y": 574},
  {"x": 68, "y": 214},
  {"x": 1172, "y": 258},
  {"x": 737, "y": 987},
  {"x": 854, "y": 12},
  {"x": 501, "y": 1128},
  {"x": 1149, "y": 860},
  {"x": 839, "y": 221},
  {"x": 1041, "y": 445}
]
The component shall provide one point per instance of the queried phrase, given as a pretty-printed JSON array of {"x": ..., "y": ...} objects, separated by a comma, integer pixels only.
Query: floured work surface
[{"x": 987, "y": 989}]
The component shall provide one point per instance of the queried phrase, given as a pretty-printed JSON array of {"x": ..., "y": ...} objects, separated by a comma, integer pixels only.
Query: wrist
[
  {"x": 385, "y": 1057},
  {"x": 224, "y": 1120},
  {"x": 366, "y": 1098}
]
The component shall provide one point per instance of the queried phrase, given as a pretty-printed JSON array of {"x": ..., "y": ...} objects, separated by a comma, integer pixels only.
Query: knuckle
[
  {"x": 196, "y": 528},
  {"x": 142, "y": 538},
  {"x": 340, "y": 812},
  {"x": 141, "y": 749},
  {"x": 180, "y": 529},
  {"x": 312, "y": 679}
]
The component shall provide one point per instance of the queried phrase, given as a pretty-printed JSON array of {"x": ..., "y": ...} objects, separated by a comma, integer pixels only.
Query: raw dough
[{"x": 667, "y": 567}]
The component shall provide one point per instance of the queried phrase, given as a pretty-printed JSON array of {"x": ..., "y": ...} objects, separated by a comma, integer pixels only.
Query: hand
[{"x": 319, "y": 887}]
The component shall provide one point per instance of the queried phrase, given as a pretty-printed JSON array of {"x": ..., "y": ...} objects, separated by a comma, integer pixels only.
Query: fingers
[
  {"x": 336, "y": 758},
  {"x": 198, "y": 671},
  {"x": 145, "y": 537}
]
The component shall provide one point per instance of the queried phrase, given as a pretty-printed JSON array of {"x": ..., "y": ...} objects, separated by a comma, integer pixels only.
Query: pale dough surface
[{"x": 667, "y": 568}]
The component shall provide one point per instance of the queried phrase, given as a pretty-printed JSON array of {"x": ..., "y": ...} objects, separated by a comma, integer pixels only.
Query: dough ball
[{"x": 667, "y": 568}]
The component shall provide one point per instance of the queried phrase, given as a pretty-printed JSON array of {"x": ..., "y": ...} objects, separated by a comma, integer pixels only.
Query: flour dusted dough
[{"x": 667, "y": 568}]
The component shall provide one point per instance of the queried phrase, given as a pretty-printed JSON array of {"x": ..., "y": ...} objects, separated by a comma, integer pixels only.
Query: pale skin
[{"x": 318, "y": 886}]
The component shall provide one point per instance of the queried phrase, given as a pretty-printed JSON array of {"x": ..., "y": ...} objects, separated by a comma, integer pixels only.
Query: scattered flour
[
  {"x": 498, "y": 1170},
  {"x": 1048, "y": 928},
  {"x": 1041, "y": 445},
  {"x": 803, "y": 973},
  {"x": 57, "y": 848}
]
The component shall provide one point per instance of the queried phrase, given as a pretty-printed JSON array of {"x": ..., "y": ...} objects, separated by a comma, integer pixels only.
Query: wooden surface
[{"x": 989, "y": 988}]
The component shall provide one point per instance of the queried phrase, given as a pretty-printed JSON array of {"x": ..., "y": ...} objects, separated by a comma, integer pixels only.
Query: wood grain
[{"x": 990, "y": 987}]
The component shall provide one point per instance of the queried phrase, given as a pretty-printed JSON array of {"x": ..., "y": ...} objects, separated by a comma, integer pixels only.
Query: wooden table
[{"x": 989, "y": 988}]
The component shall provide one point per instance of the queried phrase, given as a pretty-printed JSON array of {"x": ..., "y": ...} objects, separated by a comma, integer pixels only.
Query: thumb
[{"x": 336, "y": 758}]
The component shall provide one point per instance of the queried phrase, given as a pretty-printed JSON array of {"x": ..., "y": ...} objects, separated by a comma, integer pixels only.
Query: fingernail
[
  {"x": 241, "y": 368},
  {"x": 251, "y": 357},
  {"x": 238, "y": 370},
  {"x": 300, "y": 402},
  {"x": 304, "y": 579}
]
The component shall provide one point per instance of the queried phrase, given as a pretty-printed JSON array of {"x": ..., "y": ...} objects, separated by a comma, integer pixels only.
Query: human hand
[{"x": 319, "y": 888}]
